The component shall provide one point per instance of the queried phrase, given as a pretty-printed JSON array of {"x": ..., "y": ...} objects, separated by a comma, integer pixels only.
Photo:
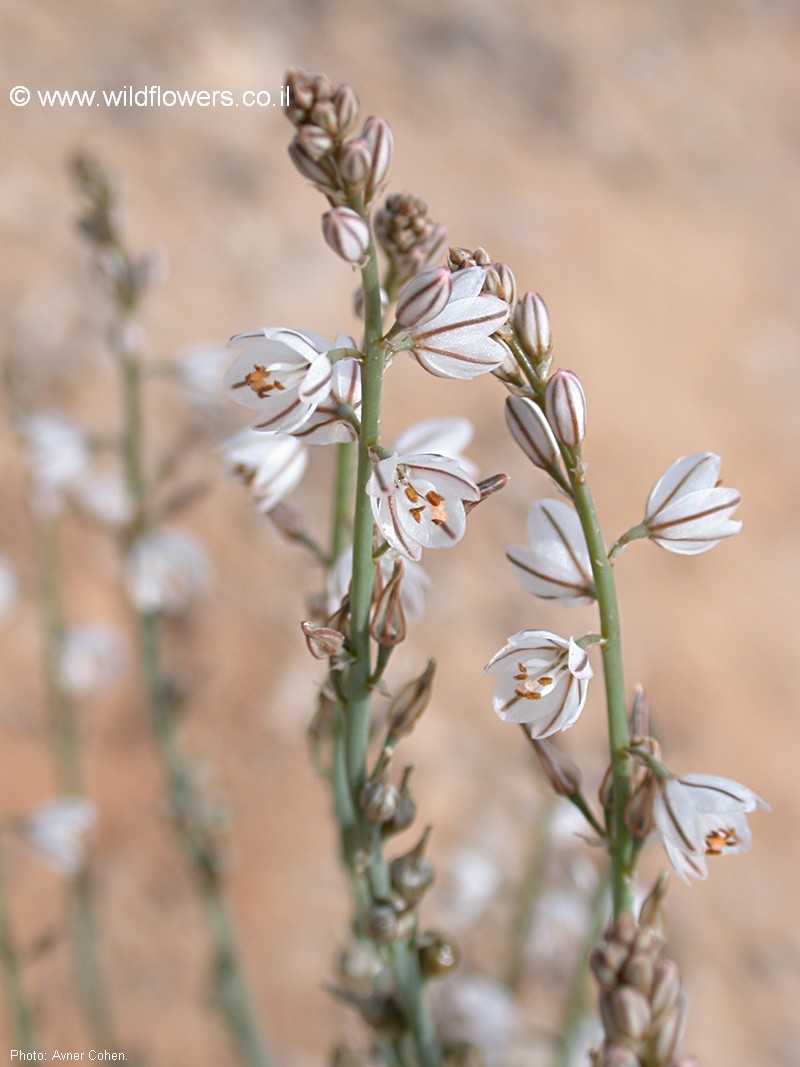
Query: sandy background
[{"x": 639, "y": 164}]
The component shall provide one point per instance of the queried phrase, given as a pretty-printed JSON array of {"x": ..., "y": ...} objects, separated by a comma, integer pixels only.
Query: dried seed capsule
[
  {"x": 438, "y": 954},
  {"x": 406, "y": 809},
  {"x": 565, "y": 407},
  {"x": 380, "y": 922},
  {"x": 412, "y": 874},
  {"x": 346, "y": 233},
  {"x": 409, "y": 704},
  {"x": 322, "y": 641},
  {"x": 562, "y": 773}
]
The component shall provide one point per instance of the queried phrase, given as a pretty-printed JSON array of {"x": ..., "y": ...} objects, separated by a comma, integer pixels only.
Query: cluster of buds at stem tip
[
  {"x": 408, "y": 236},
  {"x": 324, "y": 115},
  {"x": 642, "y": 1006}
]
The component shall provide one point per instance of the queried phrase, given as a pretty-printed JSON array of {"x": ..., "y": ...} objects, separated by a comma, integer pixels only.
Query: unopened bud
[
  {"x": 409, "y": 704},
  {"x": 532, "y": 326},
  {"x": 487, "y": 487},
  {"x": 424, "y": 297},
  {"x": 345, "y": 101},
  {"x": 630, "y": 1013},
  {"x": 438, "y": 954},
  {"x": 638, "y": 972},
  {"x": 358, "y": 301},
  {"x": 639, "y": 809},
  {"x": 618, "y": 1056},
  {"x": 314, "y": 140},
  {"x": 355, "y": 162},
  {"x": 323, "y": 641},
  {"x": 388, "y": 626},
  {"x": 666, "y": 989},
  {"x": 379, "y": 796},
  {"x": 565, "y": 407},
  {"x": 319, "y": 173},
  {"x": 669, "y": 1033},
  {"x": 323, "y": 114},
  {"x": 500, "y": 281},
  {"x": 651, "y": 911},
  {"x": 412, "y": 874},
  {"x": 640, "y": 717},
  {"x": 562, "y": 773},
  {"x": 378, "y": 135},
  {"x": 606, "y": 961},
  {"x": 346, "y": 233},
  {"x": 530, "y": 429}
]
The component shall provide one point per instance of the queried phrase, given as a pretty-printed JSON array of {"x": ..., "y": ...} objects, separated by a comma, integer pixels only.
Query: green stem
[
  {"x": 530, "y": 891},
  {"x": 19, "y": 1011},
  {"x": 342, "y": 507}
]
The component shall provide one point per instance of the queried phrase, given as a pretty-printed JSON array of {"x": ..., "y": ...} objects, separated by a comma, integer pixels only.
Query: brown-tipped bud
[
  {"x": 409, "y": 704},
  {"x": 460, "y": 258},
  {"x": 388, "y": 626},
  {"x": 300, "y": 96},
  {"x": 629, "y": 1013},
  {"x": 624, "y": 930},
  {"x": 500, "y": 281},
  {"x": 638, "y": 972},
  {"x": 406, "y": 808},
  {"x": 532, "y": 326},
  {"x": 322, "y": 641},
  {"x": 639, "y": 809},
  {"x": 378, "y": 135},
  {"x": 640, "y": 717},
  {"x": 355, "y": 162},
  {"x": 669, "y": 1033},
  {"x": 487, "y": 487},
  {"x": 530, "y": 429},
  {"x": 323, "y": 114},
  {"x": 380, "y": 797},
  {"x": 565, "y": 407},
  {"x": 315, "y": 142},
  {"x": 412, "y": 874},
  {"x": 438, "y": 954},
  {"x": 320, "y": 173},
  {"x": 346, "y": 233},
  {"x": 345, "y": 101},
  {"x": 666, "y": 989},
  {"x": 606, "y": 961},
  {"x": 562, "y": 773},
  {"x": 424, "y": 297},
  {"x": 384, "y": 925},
  {"x": 651, "y": 913}
]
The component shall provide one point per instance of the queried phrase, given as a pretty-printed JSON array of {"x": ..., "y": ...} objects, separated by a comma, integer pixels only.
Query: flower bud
[
  {"x": 618, "y": 1056},
  {"x": 532, "y": 325},
  {"x": 629, "y": 1013},
  {"x": 424, "y": 297},
  {"x": 323, "y": 641},
  {"x": 500, "y": 281},
  {"x": 346, "y": 233},
  {"x": 358, "y": 301},
  {"x": 530, "y": 429},
  {"x": 412, "y": 874},
  {"x": 669, "y": 1033},
  {"x": 355, "y": 162},
  {"x": 562, "y": 773},
  {"x": 409, "y": 704},
  {"x": 378, "y": 135},
  {"x": 565, "y": 407},
  {"x": 639, "y": 721},
  {"x": 638, "y": 972},
  {"x": 318, "y": 172},
  {"x": 314, "y": 141},
  {"x": 651, "y": 911},
  {"x": 345, "y": 101},
  {"x": 438, "y": 955},
  {"x": 639, "y": 809},
  {"x": 666, "y": 990},
  {"x": 323, "y": 114},
  {"x": 388, "y": 626}
]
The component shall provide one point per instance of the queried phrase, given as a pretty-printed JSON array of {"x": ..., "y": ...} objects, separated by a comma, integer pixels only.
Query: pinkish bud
[
  {"x": 424, "y": 297},
  {"x": 529, "y": 428},
  {"x": 314, "y": 141},
  {"x": 323, "y": 114},
  {"x": 629, "y": 1013},
  {"x": 565, "y": 407},
  {"x": 346, "y": 103},
  {"x": 532, "y": 324},
  {"x": 346, "y": 233},
  {"x": 355, "y": 162},
  {"x": 562, "y": 773},
  {"x": 378, "y": 136},
  {"x": 500, "y": 281},
  {"x": 317, "y": 172},
  {"x": 388, "y": 626}
]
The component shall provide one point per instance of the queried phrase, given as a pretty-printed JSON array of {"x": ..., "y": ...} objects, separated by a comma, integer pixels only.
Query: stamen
[
  {"x": 412, "y": 494},
  {"x": 438, "y": 510},
  {"x": 718, "y": 840},
  {"x": 416, "y": 513}
]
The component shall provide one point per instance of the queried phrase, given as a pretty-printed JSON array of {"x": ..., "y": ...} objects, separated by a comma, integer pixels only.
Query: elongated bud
[
  {"x": 323, "y": 114},
  {"x": 530, "y": 429},
  {"x": 629, "y": 1014},
  {"x": 409, "y": 704},
  {"x": 640, "y": 717},
  {"x": 380, "y": 797},
  {"x": 388, "y": 626},
  {"x": 651, "y": 912},
  {"x": 639, "y": 809},
  {"x": 532, "y": 326},
  {"x": 562, "y": 773},
  {"x": 487, "y": 487},
  {"x": 500, "y": 281},
  {"x": 378, "y": 135},
  {"x": 424, "y": 297},
  {"x": 355, "y": 162},
  {"x": 323, "y": 641},
  {"x": 565, "y": 407},
  {"x": 346, "y": 233},
  {"x": 670, "y": 1032},
  {"x": 412, "y": 874},
  {"x": 666, "y": 990},
  {"x": 345, "y": 101},
  {"x": 438, "y": 954},
  {"x": 319, "y": 173},
  {"x": 315, "y": 141}
]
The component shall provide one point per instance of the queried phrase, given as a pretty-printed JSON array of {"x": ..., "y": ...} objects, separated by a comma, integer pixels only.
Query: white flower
[
  {"x": 201, "y": 369},
  {"x": 165, "y": 570},
  {"x": 283, "y": 375},
  {"x": 699, "y": 815},
  {"x": 58, "y": 832},
  {"x": 271, "y": 464},
  {"x": 418, "y": 501},
  {"x": 106, "y": 498},
  {"x": 9, "y": 587},
  {"x": 688, "y": 511},
  {"x": 325, "y": 427},
  {"x": 477, "y": 1011},
  {"x": 457, "y": 343},
  {"x": 412, "y": 588},
  {"x": 543, "y": 681},
  {"x": 58, "y": 454},
  {"x": 91, "y": 657},
  {"x": 557, "y": 565},
  {"x": 442, "y": 437}
]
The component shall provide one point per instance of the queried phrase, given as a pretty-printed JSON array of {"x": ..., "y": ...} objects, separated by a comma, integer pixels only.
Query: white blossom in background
[
  {"x": 91, "y": 657},
  {"x": 699, "y": 815},
  {"x": 283, "y": 375},
  {"x": 688, "y": 511},
  {"x": 271, "y": 464},
  {"x": 418, "y": 501},
  {"x": 457, "y": 342},
  {"x": 477, "y": 1011},
  {"x": 325, "y": 426},
  {"x": 471, "y": 881},
  {"x": 58, "y": 832},
  {"x": 543, "y": 680},
  {"x": 58, "y": 456},
  {"x": 556, "y": 565},
  {"x": 9, "y": 588},
  {"x": 201, "y": 369},
  {"x": 165, "y": 570},
  {"x": 106, "y": 498},
  {"x": 412, "y": 588}
]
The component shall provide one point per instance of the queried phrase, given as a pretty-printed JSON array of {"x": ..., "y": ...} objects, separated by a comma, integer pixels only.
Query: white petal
[
  {"x": 447, "y": 437},
  {"x": 685, "y": 475},
  {"x": 697, "y": 522},
  {"x": 530, "y": 429},
  {"x": 316, "y": 385},
  {"x": 467, "y": 283},
  {"x": 557, "y": 565},
  {"x": 445, "y": 474},
  {"x": 713, "y": 794}
]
